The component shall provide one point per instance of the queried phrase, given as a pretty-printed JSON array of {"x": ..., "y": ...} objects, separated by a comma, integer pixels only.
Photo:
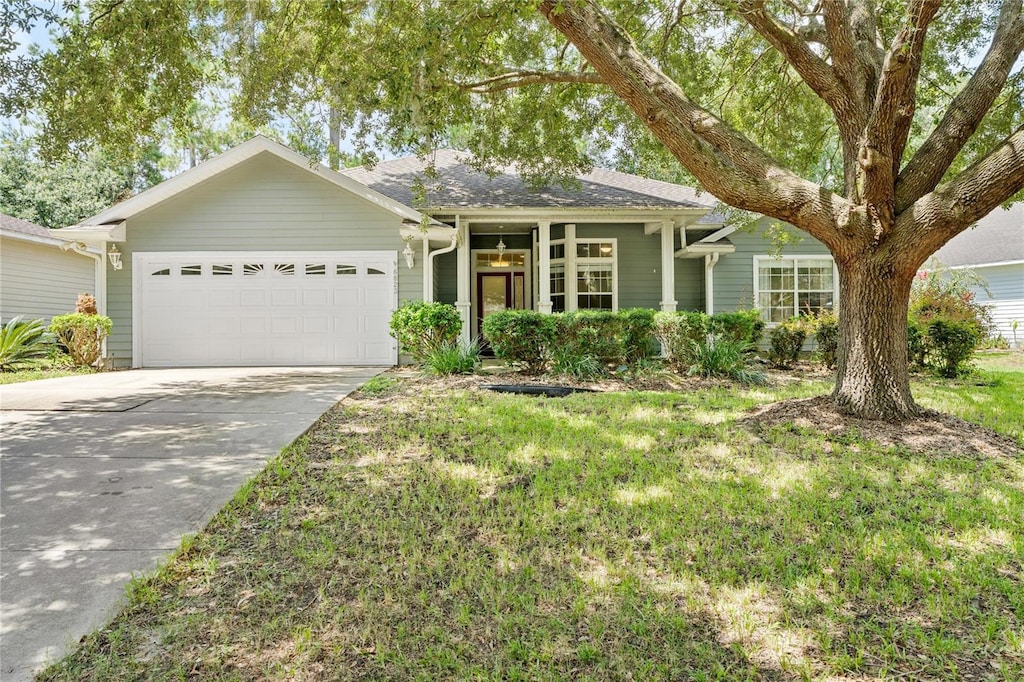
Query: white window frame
[
  {"x": 796, "y": 258},
  {"x": 596, "y": 260}
]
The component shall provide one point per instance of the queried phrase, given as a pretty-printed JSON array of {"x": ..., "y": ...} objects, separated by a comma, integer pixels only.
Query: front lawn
[{"x": 434, "y": 530}]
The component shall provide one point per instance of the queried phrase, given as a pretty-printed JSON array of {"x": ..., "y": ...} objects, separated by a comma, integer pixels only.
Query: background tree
[
  {"x": 882, "y": 128},
  {"x": 58, "y": 194}
]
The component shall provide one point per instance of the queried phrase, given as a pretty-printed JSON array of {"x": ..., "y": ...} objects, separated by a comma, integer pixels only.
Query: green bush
[
  {"x": 945, "y": 323},
  {"x": 589, "y": 334},
  {"x": 946, "y": 294},
  {"x": 739, "y": 325},
  {"x": 637, "y": 334},
  {"x": 722, "y": 356},
  {"x": 951, "y": 344},
  {"x": 677, "y": 332},
  {"x": 22, "y": 342},
  {"x": 786, "y": 339},
  {"x": 453, "y": 358},
  {"x": 421, "y": 328},
  {"x": 522, "y": 336},
  {"x": 824, "y": 325},
  {"x": 83, "y": 335}
]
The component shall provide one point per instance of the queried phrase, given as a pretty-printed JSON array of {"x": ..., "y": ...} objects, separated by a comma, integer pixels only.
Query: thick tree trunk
[{"x": 873, "y": 377}]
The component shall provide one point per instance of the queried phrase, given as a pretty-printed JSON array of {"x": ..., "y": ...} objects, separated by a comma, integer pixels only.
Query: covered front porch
[{"x": 584, "y": 260}]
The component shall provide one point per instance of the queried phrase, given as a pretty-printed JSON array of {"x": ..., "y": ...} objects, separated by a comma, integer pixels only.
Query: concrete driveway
[{"x": 102, "y": 474}]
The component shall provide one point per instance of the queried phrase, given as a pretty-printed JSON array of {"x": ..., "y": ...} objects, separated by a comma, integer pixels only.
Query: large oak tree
[{"x": 883, "y": 128}]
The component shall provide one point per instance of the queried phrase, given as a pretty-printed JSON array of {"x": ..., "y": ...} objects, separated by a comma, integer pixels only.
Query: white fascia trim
[
  {"x": 233, "y": 157},
  {"x": 439, "y": 234},
  {"x": 87, "y": 234},
  {"x": 984, "y": 265},
  {"x": 715, "y": 236},
  {"x": 698, "y": 250},
  {"x": 46, "y": 241}
]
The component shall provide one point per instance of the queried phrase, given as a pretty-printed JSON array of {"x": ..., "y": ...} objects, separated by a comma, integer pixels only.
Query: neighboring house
[
  {"x": 39, "y": 278},
  {"x": 258, "y": 257},
  {"x": 994, "y": 250}
]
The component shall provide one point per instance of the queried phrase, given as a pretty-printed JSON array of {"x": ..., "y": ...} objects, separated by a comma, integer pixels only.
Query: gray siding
[
  {"x": 40, "y": 280},
  {"x": 734, "y": 273},
  {"x": 1006, "y": 286},
  {"x": 445, "y": 270},
  {"x": 639, "y": 268},
  {"x": 264, "y": 204}
]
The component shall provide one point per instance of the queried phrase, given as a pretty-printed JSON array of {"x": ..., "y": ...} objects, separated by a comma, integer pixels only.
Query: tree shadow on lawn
[{"x": 603, "y": 537}]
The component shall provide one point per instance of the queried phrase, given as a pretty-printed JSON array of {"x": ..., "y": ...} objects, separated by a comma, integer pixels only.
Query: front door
[{"x": 498, "y": 291}]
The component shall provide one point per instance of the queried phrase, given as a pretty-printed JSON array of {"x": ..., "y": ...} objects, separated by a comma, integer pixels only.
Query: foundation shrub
[
  {"x": 521, "y": 336},
  {"x": 677, "y": 332},
  {"x": 83, "y": 335},
  {"x": 786, "y": 339},
  {"x": 422, "y": 328}
]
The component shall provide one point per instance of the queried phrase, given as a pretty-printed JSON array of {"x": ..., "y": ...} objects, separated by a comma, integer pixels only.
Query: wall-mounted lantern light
[
  {"x": 410, "y": 255},
  {"x": 115, "y": 257}
]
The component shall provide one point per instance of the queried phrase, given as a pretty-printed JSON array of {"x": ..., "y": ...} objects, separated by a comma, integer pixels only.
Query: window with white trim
[
  {"x": 592, "y": 285},
  {"x": 791, "y": 286}
]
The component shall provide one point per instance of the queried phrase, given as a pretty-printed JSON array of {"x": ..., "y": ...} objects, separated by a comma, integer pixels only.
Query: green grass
[
  {"x": 458, "y": 534},
  {"x": 37, "y": 373}
]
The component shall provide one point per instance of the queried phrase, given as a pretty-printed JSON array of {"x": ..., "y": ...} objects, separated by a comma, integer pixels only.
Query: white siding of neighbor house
[
  {"x": 1005, "y": 295},
  {"x": 264, "y": 204},
  {"x": 40, "y": 280}
]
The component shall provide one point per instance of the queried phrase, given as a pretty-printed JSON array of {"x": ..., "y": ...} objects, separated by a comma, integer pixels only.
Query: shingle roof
[
  {"x": 461, "y": 186},
  {"x": 997, "y": 238},
  {"x": 9, "y": 222}
]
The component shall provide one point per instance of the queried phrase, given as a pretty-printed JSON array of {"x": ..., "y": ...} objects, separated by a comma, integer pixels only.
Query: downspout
[
  {"x": 428, "y": 267},
  {"x": 709, "y": 282},
  {"x": 100, "y": 272},
  {"x": 99, "y": 277}
]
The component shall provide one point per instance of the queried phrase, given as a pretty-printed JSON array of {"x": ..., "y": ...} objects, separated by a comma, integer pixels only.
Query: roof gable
[
  {"x": 231, "y": 159},
  {"x": 460, "y": 186}
]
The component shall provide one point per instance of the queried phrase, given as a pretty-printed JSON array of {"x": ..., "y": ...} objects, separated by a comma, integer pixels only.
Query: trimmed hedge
[
  {"x": 584, "y": 343},
  {"x": 423, "y": 328},
  {"x": 681, "y": 332},
  {"x": 522, "y": 336}
]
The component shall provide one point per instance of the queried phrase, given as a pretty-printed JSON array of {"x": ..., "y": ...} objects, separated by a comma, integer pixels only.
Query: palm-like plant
[{"x": 21, "y": 343}]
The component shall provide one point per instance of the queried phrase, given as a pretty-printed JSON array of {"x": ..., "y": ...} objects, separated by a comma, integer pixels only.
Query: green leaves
[{"x": 21, "y": 343}]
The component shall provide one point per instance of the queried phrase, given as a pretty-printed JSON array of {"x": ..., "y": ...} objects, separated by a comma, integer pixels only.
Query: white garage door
[{"x": 242, "y": 309}]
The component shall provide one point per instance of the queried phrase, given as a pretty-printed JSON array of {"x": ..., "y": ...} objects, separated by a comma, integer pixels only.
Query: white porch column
[
  {"x": 544, "y": 266},
  {"x": 462, "y": 297},
  {"x": 668, "y": 267},
  {"x": 571, "y": 285}
]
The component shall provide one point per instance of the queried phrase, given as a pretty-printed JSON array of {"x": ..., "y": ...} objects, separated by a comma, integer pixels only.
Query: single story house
[
  {"x": 994, "y": 250},
  {"x": 41, "y": 275},
  {"x": 260, "y": 257}
]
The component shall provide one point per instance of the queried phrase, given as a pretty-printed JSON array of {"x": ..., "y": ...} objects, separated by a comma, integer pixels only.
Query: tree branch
[
  {"x": 853, "y": 40},
  {"x": 954, "y": 206},
  {"x": 814, "y": 70},
  {"x": 725, "y": 162},
  {"x": 892, "y": 111},
  {"x": 931, "y": 161},
  {"x": 518, "y": 79}
]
